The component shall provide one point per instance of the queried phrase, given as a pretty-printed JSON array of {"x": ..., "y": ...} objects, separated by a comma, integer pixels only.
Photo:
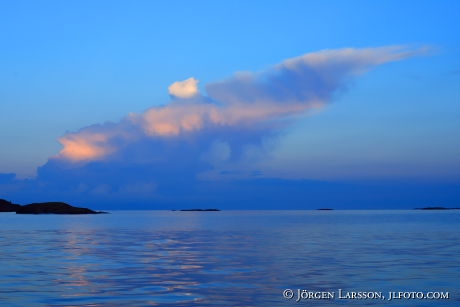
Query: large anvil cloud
[{"x": 245, "y": 103}]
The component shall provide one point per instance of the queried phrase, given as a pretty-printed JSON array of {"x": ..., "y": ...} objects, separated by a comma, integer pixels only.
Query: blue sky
[{"x": 67, "y": 67}]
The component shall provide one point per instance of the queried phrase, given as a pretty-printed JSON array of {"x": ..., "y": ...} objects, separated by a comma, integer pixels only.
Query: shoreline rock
[
  {"x": 7, "y": 206},
  {"x": 206, "y": 210},
  {"x": 45, "y": 208}
]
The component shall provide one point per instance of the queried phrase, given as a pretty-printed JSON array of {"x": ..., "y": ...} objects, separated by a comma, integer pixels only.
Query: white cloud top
[{"x": 184, "y": 89}]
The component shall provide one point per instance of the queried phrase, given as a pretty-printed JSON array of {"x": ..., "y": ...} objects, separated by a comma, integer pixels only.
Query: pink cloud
[
  {"x": 85, "y": 146},
  {"x": 244, "y": 101}
]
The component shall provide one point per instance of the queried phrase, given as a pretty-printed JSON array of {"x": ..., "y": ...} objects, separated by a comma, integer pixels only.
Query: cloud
[
  {"x": 243, "y": 102},
  {"x": 184, "y": 89},
  {"x": 305, "y": 80},
  {"x": 167, "y": 151},
  {"x": 85, "y": 146}
]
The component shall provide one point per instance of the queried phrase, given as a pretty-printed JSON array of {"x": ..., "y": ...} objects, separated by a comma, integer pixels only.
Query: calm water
[{"x": 228, "y": 258}]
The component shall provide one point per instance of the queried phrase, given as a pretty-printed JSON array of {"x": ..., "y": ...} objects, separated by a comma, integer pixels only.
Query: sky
[{"x": 235, "y": 105}]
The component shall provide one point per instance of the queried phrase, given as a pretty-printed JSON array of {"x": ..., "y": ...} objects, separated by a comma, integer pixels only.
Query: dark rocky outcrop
[
  {"x": 53, "y": 208},
  {"x": 199, "y": 210},
  {"x": 6, "y": 206}
]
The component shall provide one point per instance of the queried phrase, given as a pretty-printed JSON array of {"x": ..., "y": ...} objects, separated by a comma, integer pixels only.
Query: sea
[{"x": 232, "y": 258}]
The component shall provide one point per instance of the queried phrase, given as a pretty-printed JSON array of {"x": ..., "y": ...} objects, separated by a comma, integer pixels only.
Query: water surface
[{"x": 227, "y": 258}]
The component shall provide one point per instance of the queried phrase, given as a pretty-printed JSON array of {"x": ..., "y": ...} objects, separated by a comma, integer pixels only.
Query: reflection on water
[{"x": 234, "y": 258}]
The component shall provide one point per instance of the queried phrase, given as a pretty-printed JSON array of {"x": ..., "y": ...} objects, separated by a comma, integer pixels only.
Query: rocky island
[
  {"x": 204, "y": 210},
  {"x": 436, "y": 208},
  {"x": 7, "y": 206},
  {"x": 44, "y": 208}
]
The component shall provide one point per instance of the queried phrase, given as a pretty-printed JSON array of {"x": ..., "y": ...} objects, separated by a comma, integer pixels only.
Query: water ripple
[{"x": 154, "y": 258}]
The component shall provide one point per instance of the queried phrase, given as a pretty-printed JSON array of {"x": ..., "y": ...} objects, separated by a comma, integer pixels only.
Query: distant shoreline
[
  {"x": 436, "y": 208},
  {"x": 64, "y": 208},
  {"x": 199, "y": 210}
]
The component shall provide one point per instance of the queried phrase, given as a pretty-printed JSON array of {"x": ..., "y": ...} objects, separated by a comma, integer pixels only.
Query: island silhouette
[{"x": 44, "y": 208}]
